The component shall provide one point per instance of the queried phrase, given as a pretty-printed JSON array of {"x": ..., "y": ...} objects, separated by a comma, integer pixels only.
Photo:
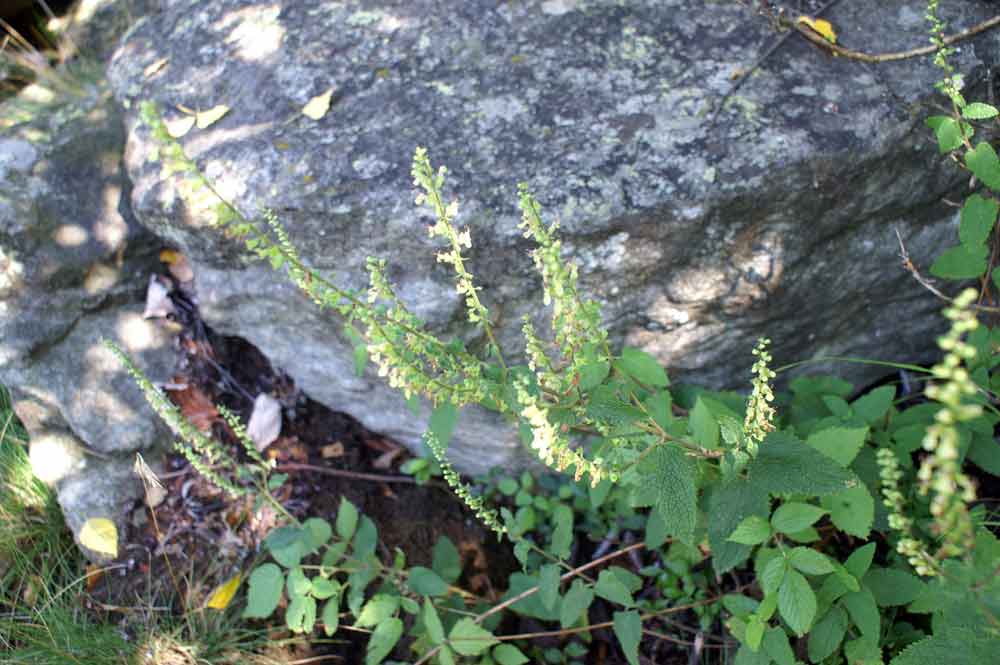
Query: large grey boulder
[
  {"x": 73, "y": 266},
  {"x": 776, "y": 220}
]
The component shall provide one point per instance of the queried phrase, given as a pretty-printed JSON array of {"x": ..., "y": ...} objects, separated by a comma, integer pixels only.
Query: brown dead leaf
[
  {"x": 384, "y": 461},
  {"x": 196, "y": 407},
  {"x": 265, "y": 421}
]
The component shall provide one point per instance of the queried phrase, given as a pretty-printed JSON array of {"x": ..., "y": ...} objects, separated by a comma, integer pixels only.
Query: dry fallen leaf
[
  {"x": 178, "y": 265},
  {"x": 154, "y": 67},
  {"x": 384, "y": 461},
  {"x": 158, "y": 303},
  {"x": 100, "y": 535},
  {"x": 265, "y": 421},
  {"x": 178, "y": 127},
  {"x": 211, "y": 116},
  {"x": 195, "y": 406},
  {"x": 318, "y": 105},
  {"x": 219, "y": 600},
  {"x": 820, "y": 26}
]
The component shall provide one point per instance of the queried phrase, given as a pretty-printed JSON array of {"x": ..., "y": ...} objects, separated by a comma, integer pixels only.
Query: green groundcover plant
[{"x": 858, "y": 519}]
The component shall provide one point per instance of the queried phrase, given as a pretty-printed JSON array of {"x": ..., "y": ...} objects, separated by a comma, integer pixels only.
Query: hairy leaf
[
  {"x": 668, "y": 484},
  {"x": 729, "y": 505},
  {"x": 840, "y": 443},
  {"x": 786, "y": 465},
  {"x": 827, "y": 634},
  {"x": 643, "y": 367},
  {"x": 852, "y": 511},
  {"x": 892, "y": 587},
  {"x": 797, "y": 602},
  {"x": 792, "y": 516}
]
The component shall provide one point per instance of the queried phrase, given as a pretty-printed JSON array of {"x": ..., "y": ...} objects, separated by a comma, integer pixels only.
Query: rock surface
[
  {"x": 697, "y": 236},
  {"x": 73, "y": 264}
]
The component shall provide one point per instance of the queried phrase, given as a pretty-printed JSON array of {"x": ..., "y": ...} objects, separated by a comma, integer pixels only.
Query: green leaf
[
  {"x": 746, "y": 656},
  {"x": 754, "y": 530},
  {"x": 792, "y": 516},
  {"x": 863, "y": 651},
  {"x": 773, "y": 575},
  {"x": 668, "y": 484},
  {"x": 658, "y": 405},
  {"x": 446, "y": 560},
  {"x": 809, "y": 561},
  {"x": 287, "y": 545},
  {"x": 323, "y": 588},
  {"x": 628, "y": 630},
  {"x": 978, "y": 216},
  {"x": 839, "y": 443},
  {"x": 264, "y": 591},
  {"x": 739, "y": 605},
  {"x": 366, "y": 539},
  {"x": 892, "y": 587},
  {"x": 562, "y": 535},
  {"x": 985, "y": 450},
  {"x": 508, "y": 654},
  {"x": 331, "y": 616},
  {"x": 610, "y": 587},
  {"x": 947, "y": 131},
  {"x": 642, "y": 367},
  {"x": 297, "y": 584},
  {"x": 593, "y": 375},
  {"x": 755, "y": 632},
  {"x": 334, "y": 553},
  {"x": 442, "y": 422},
  {"x": 860, "y": 560},
  {"x": 729, "y": 505},
  {"x": 574, "y": 603},
  {"x": 548, "y": 585},
  {"x": 777, "y": 647},
  {"x": 469, "y": 639},
  {"x": 605, "y": 406},
  {"x": 347, "y": 519},
  {"x": 378, "y": 609},
  {"x": 317, "y": 533},
  {"x": 864, "y": 612},
  {"x": 425, "y": 582},
  {"x": 656, "y": 530},
  {"x": 797, "y": 602},
  {"x": 984, "y": 164},
  {"x": 874, "y": 405},
  {"x": 979, "y": 111},
  {"x": 704, "y": 426},
  {"x": 786, "y": 465},
  {"x": 383, "y": 639},
  {"x": 827, "y": 634},
  {"x": 301, "y": 614},
  {"x": 852, "y": 511},
  {"x": 955, "y": 645},
  {"x": 432, "y": 622},
  {"x": 960, "y": 262}
]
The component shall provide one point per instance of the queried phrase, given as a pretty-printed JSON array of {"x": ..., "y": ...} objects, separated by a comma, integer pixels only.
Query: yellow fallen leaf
[
  {"x": 818, "y": 25},
  {"x": 318, "y": 105},
  {"x": 219, "y": 600},
  {"x": 154, "y": 67},
  {"x": 100, "y": 535},
  {"x": 178, "y": 127},
  {"x": 211, "y": 116}
]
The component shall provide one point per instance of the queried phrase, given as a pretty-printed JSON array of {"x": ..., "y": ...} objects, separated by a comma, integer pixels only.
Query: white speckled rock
[{"x": 696, "y": 238}]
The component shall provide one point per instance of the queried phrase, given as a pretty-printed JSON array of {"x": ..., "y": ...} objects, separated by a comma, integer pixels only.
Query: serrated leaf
[
  {"x": 446, "y": 561},
  {"x": 984, "y": 451},
  {"x": 773, "y": 575},
  {"x": 100, "y": 535},
  {"x": 223, "y": 594},
  {"x": 432, "y": 622},
  {"x": 852, "y": 511},
  {"x": 331, "y": 616},
  {"x": 777, "y": 647},
  {"x": 979, "y": 111},
  {"x": 746, "y": 656},
  {"x": 792, "y": 516},
  {"x": 469, "y": 639},
  {"x": 786, "y": 465},
  {"x": 947, "y": 132},
  {"x": 754, "y": 632},
  {"x": 668, "y": 484},
  {"x": 839, "y": 443},
  {"x": 754, "y": 530},
  {"x": 729, "y": 505},
  {"x": 611, "y": 588},
  {"x": 827, "y": 634},
  {"x": 863, "y": 610},
  {"x": 425, "y": 582},
  {"x": 562, "y": 534},
  {"x": 739, "y": 605},
  {"x": 628, "y": 630},
  {"x": 574, "y": 603},
  {"x": 797, "y": 602},
  {"x": 605, "y": 406},
  {"x": 809, "y": 561},
  {"x": 347, "y": 519},
  {"x": 656, "y": 530},
  {"x": 366, "y": 538},
  {"x": 317, "y": 107},
  {"x": 548, "y": 585},
  {"x": 704, "y": 426},
  {"x": 383, "y": 640},
  {"x": 264, "y": 591},
  {"x": 874, "y": 405},
  {"x": 317, "y": 532},
  {"x": 860, "y": 560},
  {"x": 593, "y": 375},
  {"x": 955, "y": 645},
  {"x": 960, "y": 262},
  {"x": 978, "y": 217},
  {"x": 508, "y": 654},
  {"x": 378, "y": 609},
  {"x": 983, "y": 162},
  {"x": 643, "y": 367},
  {"x": 892, "y": 587}
]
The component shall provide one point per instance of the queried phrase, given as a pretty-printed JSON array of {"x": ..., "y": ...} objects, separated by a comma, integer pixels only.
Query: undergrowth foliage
[{"x": 858, "y": 519}]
